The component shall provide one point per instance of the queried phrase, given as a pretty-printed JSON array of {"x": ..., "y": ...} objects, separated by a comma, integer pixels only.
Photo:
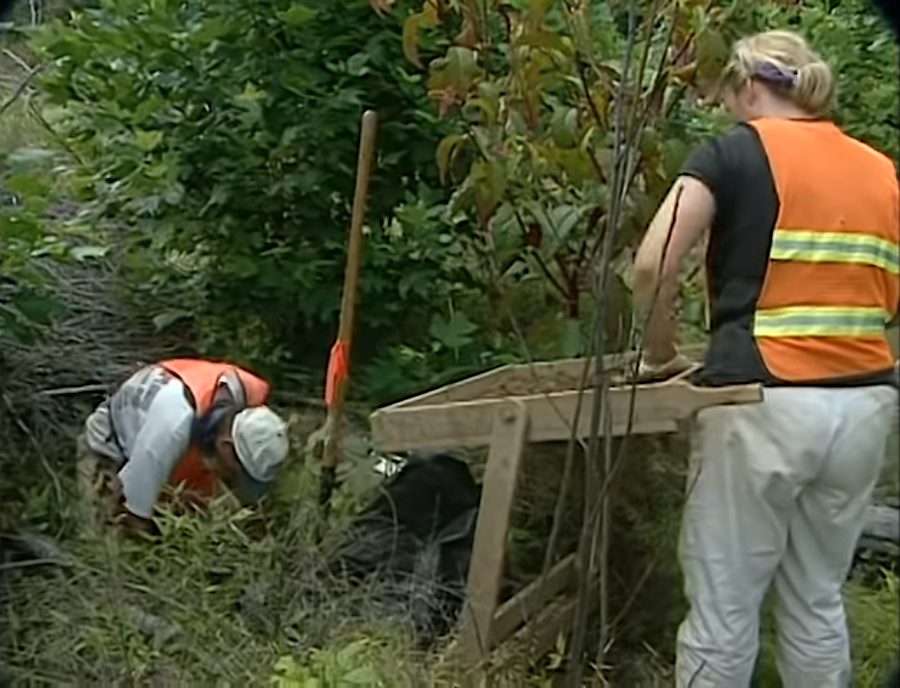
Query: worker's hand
[
  {"x": 651, "y": 372},
  {"x": 136, "y": 527},
  {"x": 128, "y": 523}
]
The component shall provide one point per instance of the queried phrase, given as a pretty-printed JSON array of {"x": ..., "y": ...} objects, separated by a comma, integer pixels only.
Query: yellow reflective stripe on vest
[
  {"x": 820, "y": 321},
  {"x": 836, "y": 247}
]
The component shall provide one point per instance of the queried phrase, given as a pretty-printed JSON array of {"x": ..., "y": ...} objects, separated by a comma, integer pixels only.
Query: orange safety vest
[
  {"x": 833, "y": 278},
  {"x": 202, "y": 379}
]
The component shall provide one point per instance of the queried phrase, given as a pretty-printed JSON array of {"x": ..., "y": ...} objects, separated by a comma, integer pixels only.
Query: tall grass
[
  {"x": 225, "y": 598},
  {"x": 20, "y": 123}
]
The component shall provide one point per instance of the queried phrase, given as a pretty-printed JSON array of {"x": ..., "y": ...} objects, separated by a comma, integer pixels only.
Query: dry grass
[
  {"x": 93, "y": 342},
  {"x": 221, "y": 599},
  {"x": 245, "y": 594},
  {"x": 235, "y": 599},
  {"x": 20, "y": 124}
]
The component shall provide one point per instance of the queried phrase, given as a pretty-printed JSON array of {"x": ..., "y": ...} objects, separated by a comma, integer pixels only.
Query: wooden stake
[{"x": 338, "y": 363}]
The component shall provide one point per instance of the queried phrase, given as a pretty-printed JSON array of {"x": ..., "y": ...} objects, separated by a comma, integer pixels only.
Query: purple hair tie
[{"x": 773, "y": 74}]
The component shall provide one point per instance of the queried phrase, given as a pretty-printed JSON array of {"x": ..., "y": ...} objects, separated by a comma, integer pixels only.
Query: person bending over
[{"x": 189, "y": 422}]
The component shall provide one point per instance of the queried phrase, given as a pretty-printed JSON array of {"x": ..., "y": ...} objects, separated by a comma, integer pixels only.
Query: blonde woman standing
[{"x": 803, "y": 225}]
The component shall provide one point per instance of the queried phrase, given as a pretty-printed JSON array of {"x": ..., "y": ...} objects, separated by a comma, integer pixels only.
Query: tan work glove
[{"x": 648, "y": 372}]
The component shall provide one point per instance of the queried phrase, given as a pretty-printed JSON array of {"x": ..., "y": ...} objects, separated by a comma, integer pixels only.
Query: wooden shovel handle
[{"x": 331, "y": 449}]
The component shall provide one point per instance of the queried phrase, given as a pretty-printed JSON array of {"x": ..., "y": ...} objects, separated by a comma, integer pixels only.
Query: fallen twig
[
  {"x": 20, "y": 89},
  {"x": 65, "y": 391}
]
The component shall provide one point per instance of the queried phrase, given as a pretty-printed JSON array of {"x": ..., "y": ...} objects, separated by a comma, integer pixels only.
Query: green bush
[
  {"x": 863, "y": 54},
  {"x": 221, "y": 139}
]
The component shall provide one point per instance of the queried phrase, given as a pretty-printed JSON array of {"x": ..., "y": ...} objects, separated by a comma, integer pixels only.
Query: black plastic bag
[{"x": 414, "y": 542}]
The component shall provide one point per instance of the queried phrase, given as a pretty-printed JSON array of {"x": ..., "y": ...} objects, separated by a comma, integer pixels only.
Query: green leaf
[
  {"x": 297, "y": 15},
  {"x": 489, "y": 181},
  {"x": 571, "y": 344},
  {"x": 30, "y": 156},
  {"x": 173, "y": 194},
  {"x": 35, "y": 307},
  {"x": 453, "y": 333},
  {"x": 674, "y": 153},
  {"x": 157, "y": 171},
  {"x": 566, "y": 217},
  {"x": 558, "y": 222},
  {"x": 446, "y": 152},
  {"x": 211, "y": 29},
  {"x": 357, "y": 65},
  {"x": 169, "y": 318},
  {"x": 360, "y": 676},
  {"x": 147, "y": 141},
  {"x": 243, "y": 266},
  {"x": 414, "y": 23},
  {"x": 550, "y": 335},
  {"x": 457, "y": 70},
  {"x": 29, "y": 185},
  {"x": 538, "y": 8},
  {"x": 487, "y": 101},
  {"x": 711, "y": 53},
  {"x": 564, "y": 126},
  {"x": 81, "y": 253}
]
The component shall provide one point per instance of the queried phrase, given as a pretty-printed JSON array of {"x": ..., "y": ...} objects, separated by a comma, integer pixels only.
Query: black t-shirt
[{"x": 735, "y": 168}]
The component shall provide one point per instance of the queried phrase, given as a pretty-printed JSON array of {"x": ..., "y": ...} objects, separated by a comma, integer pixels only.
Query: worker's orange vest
[
  {"x": 202, "y": 379},
  {"x": 832, "y": 280}
]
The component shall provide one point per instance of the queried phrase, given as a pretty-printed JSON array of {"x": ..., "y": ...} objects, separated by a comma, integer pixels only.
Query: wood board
[
  {"x": 461, "y": 414},
  {"x": 540, "y": 377}
]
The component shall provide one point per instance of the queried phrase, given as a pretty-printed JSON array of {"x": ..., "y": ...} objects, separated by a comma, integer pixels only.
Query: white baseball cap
[{"x": 261, "y": 443}]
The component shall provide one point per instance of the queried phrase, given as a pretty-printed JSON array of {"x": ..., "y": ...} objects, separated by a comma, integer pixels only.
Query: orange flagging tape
[{"x": 337, "y": 370}]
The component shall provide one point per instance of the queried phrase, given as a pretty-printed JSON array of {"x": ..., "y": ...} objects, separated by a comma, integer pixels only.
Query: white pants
[{"x": 778, "y": 495}]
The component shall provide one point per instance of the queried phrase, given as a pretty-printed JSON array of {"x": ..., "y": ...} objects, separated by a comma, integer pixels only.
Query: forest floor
[{"x": 231, "y": 597}]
